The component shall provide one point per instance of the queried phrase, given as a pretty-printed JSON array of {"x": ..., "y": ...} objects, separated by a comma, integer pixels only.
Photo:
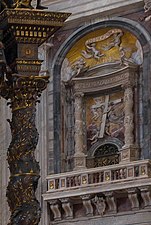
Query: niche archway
[{"x": 127, "y": 24}]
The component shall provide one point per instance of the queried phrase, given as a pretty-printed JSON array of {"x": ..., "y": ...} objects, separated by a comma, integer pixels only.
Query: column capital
[
  {"x": 78, "y": 94},
  {"x": 65, "y": 200},
  {"x": 131, "y": 82},
  {"x": 86, "y": 197}
]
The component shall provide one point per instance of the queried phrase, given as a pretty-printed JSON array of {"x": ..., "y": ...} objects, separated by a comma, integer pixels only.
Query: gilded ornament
[{"x": 107, "y": 46}]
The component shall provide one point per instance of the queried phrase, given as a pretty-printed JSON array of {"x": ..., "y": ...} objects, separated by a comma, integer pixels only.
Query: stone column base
[
  {"x": 79, "y": 161},
  {"x": 129, "y": 153}
]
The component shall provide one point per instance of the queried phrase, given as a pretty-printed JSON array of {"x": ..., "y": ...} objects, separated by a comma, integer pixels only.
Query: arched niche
[
  {"x": 107, "y": 47},
  {"x": 122, "y": 49},
  {"x": 102, "y": 108}
]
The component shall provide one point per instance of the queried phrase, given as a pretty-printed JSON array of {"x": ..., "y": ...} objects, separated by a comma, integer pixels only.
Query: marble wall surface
[
  {"x": 88, "y": 8},
  {"x": 80, "y": 9},
  {"x": 5, "y": 138}
]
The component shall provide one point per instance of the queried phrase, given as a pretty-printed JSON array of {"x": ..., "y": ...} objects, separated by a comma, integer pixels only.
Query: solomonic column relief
[
  {"x": 79, "y": 156},
  {"x": 129, "y": 150}
]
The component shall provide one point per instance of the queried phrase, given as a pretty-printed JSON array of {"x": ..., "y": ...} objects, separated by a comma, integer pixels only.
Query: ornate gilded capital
[{"x": 26, "y": 91}]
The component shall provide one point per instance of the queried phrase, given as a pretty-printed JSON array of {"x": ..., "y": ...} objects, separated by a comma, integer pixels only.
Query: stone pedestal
[{"x": 129, "y": 153}]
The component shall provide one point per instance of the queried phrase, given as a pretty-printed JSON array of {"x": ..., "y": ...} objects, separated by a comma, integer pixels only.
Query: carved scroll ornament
[{"x": 91, "y": 50}]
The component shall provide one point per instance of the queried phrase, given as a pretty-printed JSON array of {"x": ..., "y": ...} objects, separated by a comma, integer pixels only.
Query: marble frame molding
[
  {"x": 144, "y": 38},
  {"x": 121, "y": 79}
]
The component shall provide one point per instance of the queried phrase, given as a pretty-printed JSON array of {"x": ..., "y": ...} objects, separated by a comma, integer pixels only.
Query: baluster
[
  {"x": 111, "y": 201},
  {"x": 76, "y": 181},
  {"x": 133, "y": 197},
  {"x": 91, "y": 178},
  {"x": 70, "y": 182},
  {"x": 86, "y": 199},
  {"x": 55, "y": 207},
  {"x": 67, "y": 207}
]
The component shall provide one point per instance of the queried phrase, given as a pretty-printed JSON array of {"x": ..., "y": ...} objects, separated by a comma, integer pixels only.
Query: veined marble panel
[{"x": 85, "y": 8}]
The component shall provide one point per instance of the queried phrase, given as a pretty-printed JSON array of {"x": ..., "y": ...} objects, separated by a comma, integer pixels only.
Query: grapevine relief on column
[
  {"x": 79, "y": 156},
  {"x": 129, "y": 116},
  {"x": 129, "y": 150}
]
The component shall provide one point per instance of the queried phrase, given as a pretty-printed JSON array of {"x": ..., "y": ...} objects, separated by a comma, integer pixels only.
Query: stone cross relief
[{"x": 100, "y": 110}]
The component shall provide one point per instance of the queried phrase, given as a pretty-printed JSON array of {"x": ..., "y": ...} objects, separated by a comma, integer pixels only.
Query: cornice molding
[{"x": 88, "y": 8}]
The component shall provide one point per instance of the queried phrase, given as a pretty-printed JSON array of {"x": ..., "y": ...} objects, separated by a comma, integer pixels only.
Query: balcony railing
[
  {"x": 99, "y": 191},
  {"x": 102, "y": 175}
]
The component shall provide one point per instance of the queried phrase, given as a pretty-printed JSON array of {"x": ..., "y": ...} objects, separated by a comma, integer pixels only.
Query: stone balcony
[{"x": 100, "y": 191}]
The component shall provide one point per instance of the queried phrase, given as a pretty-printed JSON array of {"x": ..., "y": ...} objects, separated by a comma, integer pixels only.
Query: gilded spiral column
[
  {"x": 24, "y": 30},
  {"x": 24, "y": 169}
]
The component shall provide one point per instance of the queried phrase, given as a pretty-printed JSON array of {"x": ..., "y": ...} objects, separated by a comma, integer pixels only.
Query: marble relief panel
[
  {"x": 103, "y": 46},
  {"x": 104, "y": 117}
]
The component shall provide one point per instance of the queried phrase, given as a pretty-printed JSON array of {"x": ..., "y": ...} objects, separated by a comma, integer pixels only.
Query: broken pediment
[{"x": 100, "y": 70}]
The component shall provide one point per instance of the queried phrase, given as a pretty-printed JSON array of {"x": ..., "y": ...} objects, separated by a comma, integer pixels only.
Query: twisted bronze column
[
  {"x": 23, "y": 31},
  {"x": 24, "y": 169}
]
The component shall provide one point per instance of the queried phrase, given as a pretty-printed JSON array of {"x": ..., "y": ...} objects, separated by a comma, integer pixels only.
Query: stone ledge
[{"x": 88, "y": 8}]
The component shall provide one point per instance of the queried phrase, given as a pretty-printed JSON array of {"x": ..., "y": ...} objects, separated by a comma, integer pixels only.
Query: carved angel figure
[
  {"x": 91, "y": 52},
  {"x": 100, "y": 204},
  {"x": 115, "y": 42}
]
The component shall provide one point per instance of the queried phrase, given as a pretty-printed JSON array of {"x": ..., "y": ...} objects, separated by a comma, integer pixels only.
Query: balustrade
[
  {"x": 99, "y": 175},
  {"x": 99, "y": 191}
]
